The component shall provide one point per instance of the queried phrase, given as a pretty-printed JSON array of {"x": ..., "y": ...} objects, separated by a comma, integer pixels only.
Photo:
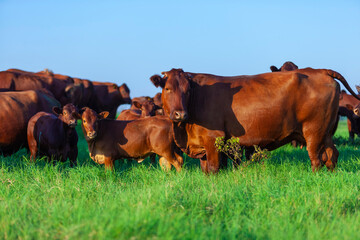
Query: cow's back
[
  {"x": 16, "y": 110},
  {"x": 264, "y": 108}
]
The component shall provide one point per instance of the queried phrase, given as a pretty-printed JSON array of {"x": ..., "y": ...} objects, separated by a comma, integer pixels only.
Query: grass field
[{"x": 280, "y": 199}]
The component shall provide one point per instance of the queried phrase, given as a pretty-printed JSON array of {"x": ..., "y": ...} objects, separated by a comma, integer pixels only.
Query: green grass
[{"x": 280, "y": 199}]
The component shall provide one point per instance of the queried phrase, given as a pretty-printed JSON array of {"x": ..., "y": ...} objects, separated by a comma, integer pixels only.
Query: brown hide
[
  {"x": 17, "y": 80},
  {"x": 54, "y": 135},
  {"x": 108, "y": 97},
  {"x": 16, "y": 110},
  {"x": 109, "y": 140},
  {"x": 141, "y": 107},
  {"x": 268, "y": 109}
]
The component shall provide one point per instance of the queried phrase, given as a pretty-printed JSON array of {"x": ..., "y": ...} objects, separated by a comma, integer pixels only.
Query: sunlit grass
[{"x": 279, "y": 199}]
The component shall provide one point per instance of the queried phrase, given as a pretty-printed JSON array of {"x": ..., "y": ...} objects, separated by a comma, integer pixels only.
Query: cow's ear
[
  {"x": 136, "y": 104},
  {"x": 57, "y": 110},
  {"x": 157, "y": 80},
  {"x": 76, "y": 115},
  {"x": 358, "y": 88},
  {"x": 103, "y": 115},
  {"x": 115, "y": 86},
  {"x": 274, "y": 69},
  {"x": 350, "y": 107}
]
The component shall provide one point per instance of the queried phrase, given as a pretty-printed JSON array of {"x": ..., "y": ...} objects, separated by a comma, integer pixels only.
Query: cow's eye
[
  {"x": 84, "y": 121},
  {"x": 167, "y": 89}
]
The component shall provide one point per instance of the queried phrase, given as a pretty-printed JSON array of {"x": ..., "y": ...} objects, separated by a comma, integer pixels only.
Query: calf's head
[
  {"x": 175, "y": 93},
  {"x": 89, "y": 122},
  {"x": 148, "y": 108},
  {"x": 66, "y": 114}
]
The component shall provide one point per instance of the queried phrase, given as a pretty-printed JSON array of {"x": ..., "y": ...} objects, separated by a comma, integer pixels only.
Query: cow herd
[{"x": 40, "y": 110}]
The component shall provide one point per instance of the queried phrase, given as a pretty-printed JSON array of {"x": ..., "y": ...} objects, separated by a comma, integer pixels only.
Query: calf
[
  {"x": 140, "y": 110},
  {"x": 109, "y": 140},
  {"x": 54, "y": 135}
]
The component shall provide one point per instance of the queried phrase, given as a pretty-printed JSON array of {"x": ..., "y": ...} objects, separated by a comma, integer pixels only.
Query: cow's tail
[{"x": 338, "y": 76}]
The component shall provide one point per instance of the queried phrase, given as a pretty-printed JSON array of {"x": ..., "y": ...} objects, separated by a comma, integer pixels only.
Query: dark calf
[
  {"x": 109, "y": 140},
  {"x": 54, "y": 135}
]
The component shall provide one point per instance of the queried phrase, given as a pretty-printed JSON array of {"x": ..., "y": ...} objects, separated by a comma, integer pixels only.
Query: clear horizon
[{"x": 127, "y": 42}]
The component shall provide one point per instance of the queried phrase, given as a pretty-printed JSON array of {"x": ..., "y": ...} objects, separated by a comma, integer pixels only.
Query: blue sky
[{"x": 128, "y": 41}]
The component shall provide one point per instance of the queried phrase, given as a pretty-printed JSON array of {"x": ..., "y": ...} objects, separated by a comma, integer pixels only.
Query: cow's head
[
  {"x": 74, "y": 92},
  {"x": 287, "y": 66},
  {"x": 148, "y": 108},
  {"x": 125, "y": 93},
  {"x": 89, "y": 121},
  {"x": 66, "y": 114},
  {"x": 175, "y": 94}
]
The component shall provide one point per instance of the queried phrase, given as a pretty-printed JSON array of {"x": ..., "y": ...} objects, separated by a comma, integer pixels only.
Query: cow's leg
[
  {"x": 33, "y": 150},
  {"x": 179, "y": 161},
  {"x": 203, "y": 164},
  {"x": 223, "y": 161},
  {"x": 109, "y": 163},
  {"x": 153, "y": 158},
  {"x": 164, "y": 164},
  {"x": 72, "y": 157},
  {"x": 315, "y": 144},
  {"x": 213, "y": 158},
  {"x": 351, "y": 132},
  {"x": 330, "y": 154}
]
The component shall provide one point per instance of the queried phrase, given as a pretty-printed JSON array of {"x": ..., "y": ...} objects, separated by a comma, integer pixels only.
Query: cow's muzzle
[
  {"x": 179, "y": 116},
  {"x": 72, "y": 124},
  {"x": 91, "y": 135}
]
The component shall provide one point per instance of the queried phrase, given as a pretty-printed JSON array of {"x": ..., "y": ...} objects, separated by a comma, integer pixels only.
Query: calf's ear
[
  {"x": 157, "y": 80},
  {"x": 274, "y": 69},
  {"x": 57, "y": 110},
  {"x": 103, "y": 115}
]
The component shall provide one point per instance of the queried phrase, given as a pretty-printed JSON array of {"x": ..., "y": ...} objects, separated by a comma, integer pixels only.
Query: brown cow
[
  {"x": 108, "y": 97},
  {"x": 16, "y": 110},
  {"x": 21, "y": 80},
  {"x": 287, "y": 66},
  {"x": 81, "y": 93},
  {"x": 142, "y": 110},
  {"x": 54, "y": 135},
  {"x": 109, "y": 140},
  {"x": 348, "y": 102},
  {"x": 268, "y": 110}
]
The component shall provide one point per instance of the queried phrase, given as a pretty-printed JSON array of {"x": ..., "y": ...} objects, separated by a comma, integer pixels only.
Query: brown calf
[
  {"x": 109, "y": 140},
  {"x": 140, "y": 110},
  {"x": 54, "y": 135}
]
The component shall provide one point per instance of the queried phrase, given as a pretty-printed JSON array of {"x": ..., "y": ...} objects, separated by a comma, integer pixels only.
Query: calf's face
[
  {"x": 148, "y": 108},
  {"x": 66, "y": 114},
  {"x": 89, "y": 122},
  {"x": 175, "y": 94}
]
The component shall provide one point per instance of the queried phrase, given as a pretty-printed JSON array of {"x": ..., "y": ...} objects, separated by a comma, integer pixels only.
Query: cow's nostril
[{"x": 177, "y": 115}]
